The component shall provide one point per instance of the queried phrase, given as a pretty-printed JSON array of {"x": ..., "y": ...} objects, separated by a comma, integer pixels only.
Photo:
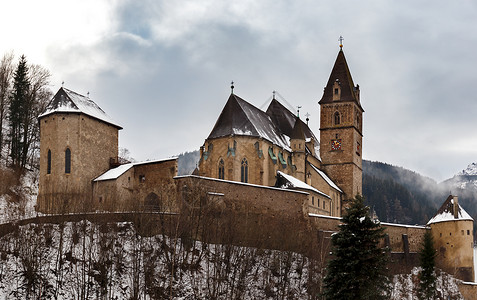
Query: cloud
[{"x": 163, "y": 68}]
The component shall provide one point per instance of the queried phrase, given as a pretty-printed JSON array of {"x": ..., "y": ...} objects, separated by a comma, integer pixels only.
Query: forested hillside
[{"x": 398, "y": 195}]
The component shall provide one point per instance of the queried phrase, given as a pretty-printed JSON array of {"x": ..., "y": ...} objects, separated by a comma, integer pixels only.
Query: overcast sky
[{"x": 162, "y": 69}]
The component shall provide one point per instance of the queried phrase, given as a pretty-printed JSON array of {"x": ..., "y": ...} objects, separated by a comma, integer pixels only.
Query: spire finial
[
  {"x": 88, "y": 94},
  {"x": 341, "y": 41},
  {"x": 274, "y": 92},
  {"x": 232, "y": 86},
  {"x": 62, "y": 83},
  {"x": 298, "y": 111},
  {"x": 307, "y": 118}
]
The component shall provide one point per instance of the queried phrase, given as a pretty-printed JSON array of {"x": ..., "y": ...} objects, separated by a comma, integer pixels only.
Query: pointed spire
[
  {"x": 297, "y": 133},
  {"x": 340, "y": 74}
]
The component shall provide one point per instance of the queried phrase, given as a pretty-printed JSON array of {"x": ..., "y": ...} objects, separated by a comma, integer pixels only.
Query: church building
[{"x": 276, "y": 148}]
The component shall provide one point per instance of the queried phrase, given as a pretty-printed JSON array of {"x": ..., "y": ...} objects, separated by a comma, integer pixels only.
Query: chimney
[{"x": 455, "y": 208}]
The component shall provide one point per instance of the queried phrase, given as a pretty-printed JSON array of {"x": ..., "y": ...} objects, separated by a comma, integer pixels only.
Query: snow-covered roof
[
  {"x": 446, "y": 212},
  {"x": 120, "y": 170},
  {"x": 326, "y": 178},
  {"x": 242, "y": 118},
  {"x": 293, "y": 182},
  {"x": 67, "y": 101},
  {"x": 115, "y": 172}
]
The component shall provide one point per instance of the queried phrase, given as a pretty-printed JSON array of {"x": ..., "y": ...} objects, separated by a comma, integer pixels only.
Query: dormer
[
  {"x": 356, "y": 92},
  {"x": 336, "y": 90}
]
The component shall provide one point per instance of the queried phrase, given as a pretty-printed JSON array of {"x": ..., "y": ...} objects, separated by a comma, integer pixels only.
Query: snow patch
[{"x": 296, "y": 183}]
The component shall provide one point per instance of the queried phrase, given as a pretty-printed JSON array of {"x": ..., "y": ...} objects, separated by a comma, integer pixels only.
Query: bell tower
[{"x": 341, "y": 129}]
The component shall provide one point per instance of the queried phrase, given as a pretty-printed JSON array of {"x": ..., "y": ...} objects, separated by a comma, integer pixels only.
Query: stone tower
[
  {"x": 297, "y": 144},
  {"x": 452, "y": 230},
  {"x": 78, "y": 142},
  {"x": 341, "y": 125}
]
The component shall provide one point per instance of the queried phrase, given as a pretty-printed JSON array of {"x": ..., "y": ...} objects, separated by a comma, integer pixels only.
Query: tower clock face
[{"x": 336, "y": 145}]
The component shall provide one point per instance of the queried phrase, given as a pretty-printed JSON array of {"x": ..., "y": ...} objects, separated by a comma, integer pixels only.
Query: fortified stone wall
[
  {"x": 147, "y": 185},
  {"x": 260, "y": 216},
  {"x": 400, "y": 238}
]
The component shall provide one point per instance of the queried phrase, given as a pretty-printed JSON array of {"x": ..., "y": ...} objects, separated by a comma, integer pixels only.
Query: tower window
[
  {"x": 244, "y": 171},
  {"x": 221, "y": 169},
  {"x": 337, "y": 118},
  {"x": 336, "y": 91},
  {"x": 48, "y": 167},
  {"x": 67, "y": 161}
]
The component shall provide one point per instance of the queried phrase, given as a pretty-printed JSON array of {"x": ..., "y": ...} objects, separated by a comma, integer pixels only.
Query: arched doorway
[{"x": 152, "y": 202}]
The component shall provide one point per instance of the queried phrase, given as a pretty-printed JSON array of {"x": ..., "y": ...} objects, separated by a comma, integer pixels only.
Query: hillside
[
  {"x": 109, "y": 260},
  {"x": 403, "y": 196},
  {"x": 399, "y": 195}
]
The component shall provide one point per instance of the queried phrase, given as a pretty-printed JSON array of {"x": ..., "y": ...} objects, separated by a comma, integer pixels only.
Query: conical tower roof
[
  {"x": 341, "y": 73},
  {"x": 67, "y": 101},
  {"x": 297, "y": 133}
]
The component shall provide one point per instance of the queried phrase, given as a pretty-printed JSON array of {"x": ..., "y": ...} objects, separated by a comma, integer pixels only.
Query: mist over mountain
[
  {"x": 404, "y": 196},
  {"x": 187, "y": 162}
]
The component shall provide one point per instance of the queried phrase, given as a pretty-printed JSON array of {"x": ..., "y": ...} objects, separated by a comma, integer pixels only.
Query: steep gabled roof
[
  {"x": 285, "y": 120},
  {"x": 341, "y": 73},
  {"x": 66, "y": 101},
  {"x": 447, "y": 212},
  {"x": 242, "y": 118}
]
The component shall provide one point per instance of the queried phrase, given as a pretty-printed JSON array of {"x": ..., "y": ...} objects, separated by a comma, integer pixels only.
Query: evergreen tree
[
  {"x": 427, "y": 276},
  {"x": 357, "y": 269},
  {"x": 18, "y": 105}
]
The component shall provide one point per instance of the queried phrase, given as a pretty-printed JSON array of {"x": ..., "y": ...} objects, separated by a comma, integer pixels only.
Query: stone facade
[
  {"x": 91, "y": 142},
  {"x": 341, "y": 130},
  {"x": 144, "y": 186},
  {"x": 454, "y": 243}
]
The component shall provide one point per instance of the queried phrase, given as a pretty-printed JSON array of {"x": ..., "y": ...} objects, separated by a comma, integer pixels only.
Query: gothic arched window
[
  {"x": 48, "y": 167},
  {"x": 337, "y": 118},
  {"x": 244, "y": 171},
  {"x": 221, "y": 169},
  {"x": 67, "y": 161}
]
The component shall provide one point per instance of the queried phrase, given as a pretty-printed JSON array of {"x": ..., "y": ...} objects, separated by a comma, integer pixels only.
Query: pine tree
[
  {"x": 357, "y": 269},
  {"x": 427, "y": 276},
  {"x": 18, "y": 100}
]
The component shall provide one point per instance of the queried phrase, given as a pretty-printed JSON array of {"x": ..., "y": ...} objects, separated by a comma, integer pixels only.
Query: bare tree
[
  {"x": 6, "y": 75},
  {"x": 39, "y": 95}
]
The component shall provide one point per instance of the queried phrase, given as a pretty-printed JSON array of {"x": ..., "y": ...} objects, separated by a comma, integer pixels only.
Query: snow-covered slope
[{"x": 465, "y": 179}]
